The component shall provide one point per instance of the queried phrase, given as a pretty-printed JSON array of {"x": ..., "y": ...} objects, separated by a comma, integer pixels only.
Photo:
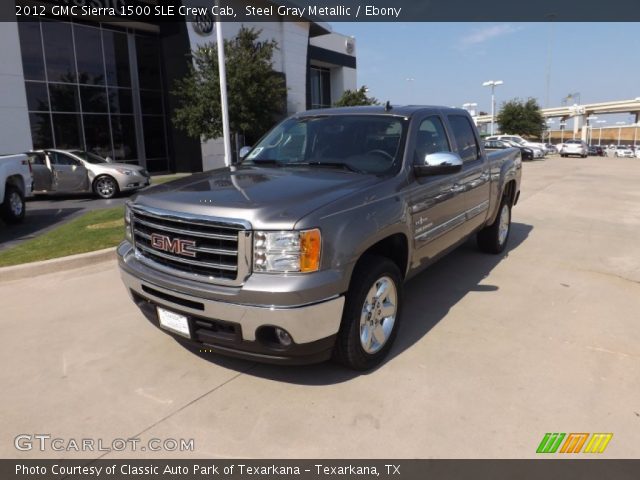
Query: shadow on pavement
[
  {"x": 35, "y": 223},
  {"x": 428, "y": 298}
]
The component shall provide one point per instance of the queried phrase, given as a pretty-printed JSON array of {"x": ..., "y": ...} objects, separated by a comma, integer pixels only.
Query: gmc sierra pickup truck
[{"x": 299, "y": 253}]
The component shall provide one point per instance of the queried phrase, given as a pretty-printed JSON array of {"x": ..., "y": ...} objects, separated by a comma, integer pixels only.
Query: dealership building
[{"x": 103, "y": 84}]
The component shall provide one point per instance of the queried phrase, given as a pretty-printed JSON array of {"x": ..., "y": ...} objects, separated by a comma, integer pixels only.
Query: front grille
[{"x": 213, "y": 252}]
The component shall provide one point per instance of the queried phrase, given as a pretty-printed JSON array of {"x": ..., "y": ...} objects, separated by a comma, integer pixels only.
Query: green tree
[
  {"x": 256, "y": 92},
  {"x": 353, "y": 98},
  {"x": 520, "y": 117}
]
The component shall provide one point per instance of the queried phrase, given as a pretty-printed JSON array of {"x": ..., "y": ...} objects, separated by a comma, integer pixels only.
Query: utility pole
[{"x": 222, "y": 72}]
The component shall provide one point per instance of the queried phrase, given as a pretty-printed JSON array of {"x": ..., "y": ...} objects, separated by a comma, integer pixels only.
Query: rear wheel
[
  {"x": 105, "y": 186},
  {"x": 493, "y": 238},
  {"x": 13, "y": 205},
  {"x": 371, "y": 314}
]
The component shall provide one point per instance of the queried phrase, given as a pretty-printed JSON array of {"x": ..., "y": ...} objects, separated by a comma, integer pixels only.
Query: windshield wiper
[
  {"x": 333, "y": 164},
  {"x": 268, "y": 161}
]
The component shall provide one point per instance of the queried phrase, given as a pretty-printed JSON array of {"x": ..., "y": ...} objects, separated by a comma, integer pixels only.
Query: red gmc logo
[{"x": 175, "y": 245}]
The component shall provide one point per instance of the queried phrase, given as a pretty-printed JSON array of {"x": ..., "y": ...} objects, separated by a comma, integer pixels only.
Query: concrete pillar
[{"x": 578, "y": 125}]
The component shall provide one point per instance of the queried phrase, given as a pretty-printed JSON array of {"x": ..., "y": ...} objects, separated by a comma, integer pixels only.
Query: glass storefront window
[
  {"x": 58, "y": 50},
  {"x": 67, "y": 129},
  {"x": 31, "y": 46},
  {"x": 88, "y": 43},
  {"x": 116, "y": 53},
  {"x": 83, "y": 94}
]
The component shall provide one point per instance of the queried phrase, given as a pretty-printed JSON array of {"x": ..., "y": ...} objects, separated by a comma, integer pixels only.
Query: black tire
[
  {"x": 105, "y": 187},
  {"x": 13, "y": 205},
  {"x": 372, "y": 271},
  {"x": 491, "y": 239}
]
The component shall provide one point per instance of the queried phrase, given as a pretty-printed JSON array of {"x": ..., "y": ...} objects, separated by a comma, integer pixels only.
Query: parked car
[
  {"x": 623, "y": 151},
  {"x": 299, "y": 253},
  {"x": 519, "y": 140},
  {"x": 596, "y": 151},
  {"x": 637, "y": 153},
  {"x": 527, "y": 153},
  {"x": 16, "y": 184},
  {"x": 75, "y": 171},
  {"x": 574, "y": 147},
  {"x": 537, "y": 153},
  {"x": 551, "y": 148}
]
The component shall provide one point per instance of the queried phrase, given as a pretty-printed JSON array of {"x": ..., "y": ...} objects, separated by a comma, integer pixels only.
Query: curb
[{"x": 27, "y": 270}]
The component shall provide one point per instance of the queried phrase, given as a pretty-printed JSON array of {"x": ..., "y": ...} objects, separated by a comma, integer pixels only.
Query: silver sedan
[{"x": 75, "y": 171}]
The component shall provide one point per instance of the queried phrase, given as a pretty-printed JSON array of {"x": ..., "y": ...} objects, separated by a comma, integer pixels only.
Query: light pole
[
  {"x": 470, "y": 107},
  {"x": 600, "y": 134},
  {"x": 549, "y": 122},
  {"x": 493, "y": 84},
  {"x": 620, "y": 124},
  {"x": 562, "y": 125},
  {"x": 590, "y": 129}
]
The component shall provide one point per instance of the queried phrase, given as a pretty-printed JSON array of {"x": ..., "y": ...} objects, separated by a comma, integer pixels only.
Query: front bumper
[
  {"x": 133, "y": 182},
  {"x": 237, "y": 329}
]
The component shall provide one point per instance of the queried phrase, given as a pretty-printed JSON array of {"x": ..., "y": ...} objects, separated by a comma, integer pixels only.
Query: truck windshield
[{"x": 362, "y": 143}]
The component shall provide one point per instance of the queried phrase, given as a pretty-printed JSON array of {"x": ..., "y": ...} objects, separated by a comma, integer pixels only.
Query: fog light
[{"x": 283, "y": 337}]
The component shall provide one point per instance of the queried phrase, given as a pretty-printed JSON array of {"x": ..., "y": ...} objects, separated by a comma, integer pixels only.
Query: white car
[
  {"x": 623, "y": 151},
  {"x": 537, "y": 153},
  {"x": 521, "y": 141},
  {"x": 16, "y": 183},
  {"x": 574, "y": 147},
  {"x": 637, "y": 152}
]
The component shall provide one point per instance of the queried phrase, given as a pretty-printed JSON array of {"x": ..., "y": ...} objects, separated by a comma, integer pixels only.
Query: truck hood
[{"x": 267, "y": 197}]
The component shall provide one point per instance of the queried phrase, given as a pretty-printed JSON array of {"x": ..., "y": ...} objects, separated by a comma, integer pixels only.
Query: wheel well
[
  {"x": 394, "y": 247},
  {"x": 16, "y": 181},
  {"x": 102, "y": 175},
  {"x": 510, "y": 192}
]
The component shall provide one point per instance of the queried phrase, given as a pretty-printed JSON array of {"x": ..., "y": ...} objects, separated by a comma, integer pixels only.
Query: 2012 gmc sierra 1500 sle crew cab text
[{"x": 299, "y": 253}]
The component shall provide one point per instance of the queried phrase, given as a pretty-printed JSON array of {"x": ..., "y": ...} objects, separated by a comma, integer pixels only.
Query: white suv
[{"x": 574, "y": 147}]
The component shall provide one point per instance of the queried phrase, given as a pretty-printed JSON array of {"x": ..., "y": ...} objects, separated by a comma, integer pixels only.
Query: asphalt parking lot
[{"x": 493, "y": 353}]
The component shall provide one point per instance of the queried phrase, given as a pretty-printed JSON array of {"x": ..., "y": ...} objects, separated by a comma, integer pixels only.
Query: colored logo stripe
[
  {"x": 550, "y": 443},
  {"x": 598, "y": 442},
  {"x": 574, "y": 442}
]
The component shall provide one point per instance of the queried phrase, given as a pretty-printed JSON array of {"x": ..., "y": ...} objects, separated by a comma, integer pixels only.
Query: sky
[{"x": 448, "y": 62}]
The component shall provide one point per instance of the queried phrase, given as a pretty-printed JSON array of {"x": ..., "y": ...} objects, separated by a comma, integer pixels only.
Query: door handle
[{"x": 457, "y": 188}]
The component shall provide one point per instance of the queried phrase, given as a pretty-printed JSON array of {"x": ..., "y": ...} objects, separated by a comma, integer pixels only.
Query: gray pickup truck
[{"x": 299, "y": 253}]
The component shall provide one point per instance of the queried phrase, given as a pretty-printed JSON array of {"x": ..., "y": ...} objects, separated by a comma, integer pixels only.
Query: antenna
[{"x": 387, "y": 106}]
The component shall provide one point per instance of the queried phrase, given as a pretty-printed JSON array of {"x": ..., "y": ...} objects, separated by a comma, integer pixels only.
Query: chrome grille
[{"x": 217, "y": 250}]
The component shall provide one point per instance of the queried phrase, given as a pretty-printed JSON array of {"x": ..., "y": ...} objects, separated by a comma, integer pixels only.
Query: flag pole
[{"x": 222, "y": 72}]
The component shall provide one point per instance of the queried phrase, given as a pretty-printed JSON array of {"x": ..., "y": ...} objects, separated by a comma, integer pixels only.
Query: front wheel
[
  {"x": 105, "y": 187},
  {"x": 13, "y": 205},
  {"x": 493, "y": 238},
  {"x": 371, "y": 314}
]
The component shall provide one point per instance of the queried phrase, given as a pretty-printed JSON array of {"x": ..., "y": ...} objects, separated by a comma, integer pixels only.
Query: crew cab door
[
  {"x": 475, "y": 178},
  {"x": 42, "y": 175},
  {"x": 69, "y": 174},
  {"x": 436, "y": 201}
]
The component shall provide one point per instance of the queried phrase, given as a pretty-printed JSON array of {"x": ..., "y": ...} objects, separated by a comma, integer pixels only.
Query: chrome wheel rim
[
  {"x": 503, "y": 230},
  {"x": 378, "y": 315},
  {"x": 15, "y": 203},
  {"x": 105, "y": 187}
]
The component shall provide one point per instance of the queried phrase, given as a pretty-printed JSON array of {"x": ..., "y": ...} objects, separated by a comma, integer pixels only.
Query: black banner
[
  {"x": 543, "y": 469},
  {"x": 329, "y": 10}
]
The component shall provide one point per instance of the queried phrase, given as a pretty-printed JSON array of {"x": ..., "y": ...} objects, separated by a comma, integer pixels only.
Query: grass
[{"x": 92, "y": 231}]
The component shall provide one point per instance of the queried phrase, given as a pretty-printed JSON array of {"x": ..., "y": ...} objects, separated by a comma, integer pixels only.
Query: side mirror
[
  {"x": 439, "y": 163},
  {"x": 243, "y": 152}
]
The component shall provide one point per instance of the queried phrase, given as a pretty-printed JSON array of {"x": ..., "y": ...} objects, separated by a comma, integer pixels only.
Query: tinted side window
[
  {"x": 36, "y": 159},
  {"x": 62, "y": 159},
  {"x": 431, "y": 138},
  {"x": 466, "y": 140}
]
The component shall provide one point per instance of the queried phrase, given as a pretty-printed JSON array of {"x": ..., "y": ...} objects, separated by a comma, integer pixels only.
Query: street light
[
  {"x": 548, "y": 130},
  {"x": 470, "y": 107},
  {"x": 600, "y": 134},
  {"x": 493, "y": 84},
  {"x": 620, "y": 124}
]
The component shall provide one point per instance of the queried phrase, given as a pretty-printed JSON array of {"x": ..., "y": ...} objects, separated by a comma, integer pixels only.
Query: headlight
[
  {"x": 128, "y": 234},
  {"x": 287, "y": 251},
  {"x": 124, "y": 171}
]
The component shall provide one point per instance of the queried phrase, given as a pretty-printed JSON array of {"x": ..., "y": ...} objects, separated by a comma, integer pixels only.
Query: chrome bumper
[{"x": 305, "y": 324}]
